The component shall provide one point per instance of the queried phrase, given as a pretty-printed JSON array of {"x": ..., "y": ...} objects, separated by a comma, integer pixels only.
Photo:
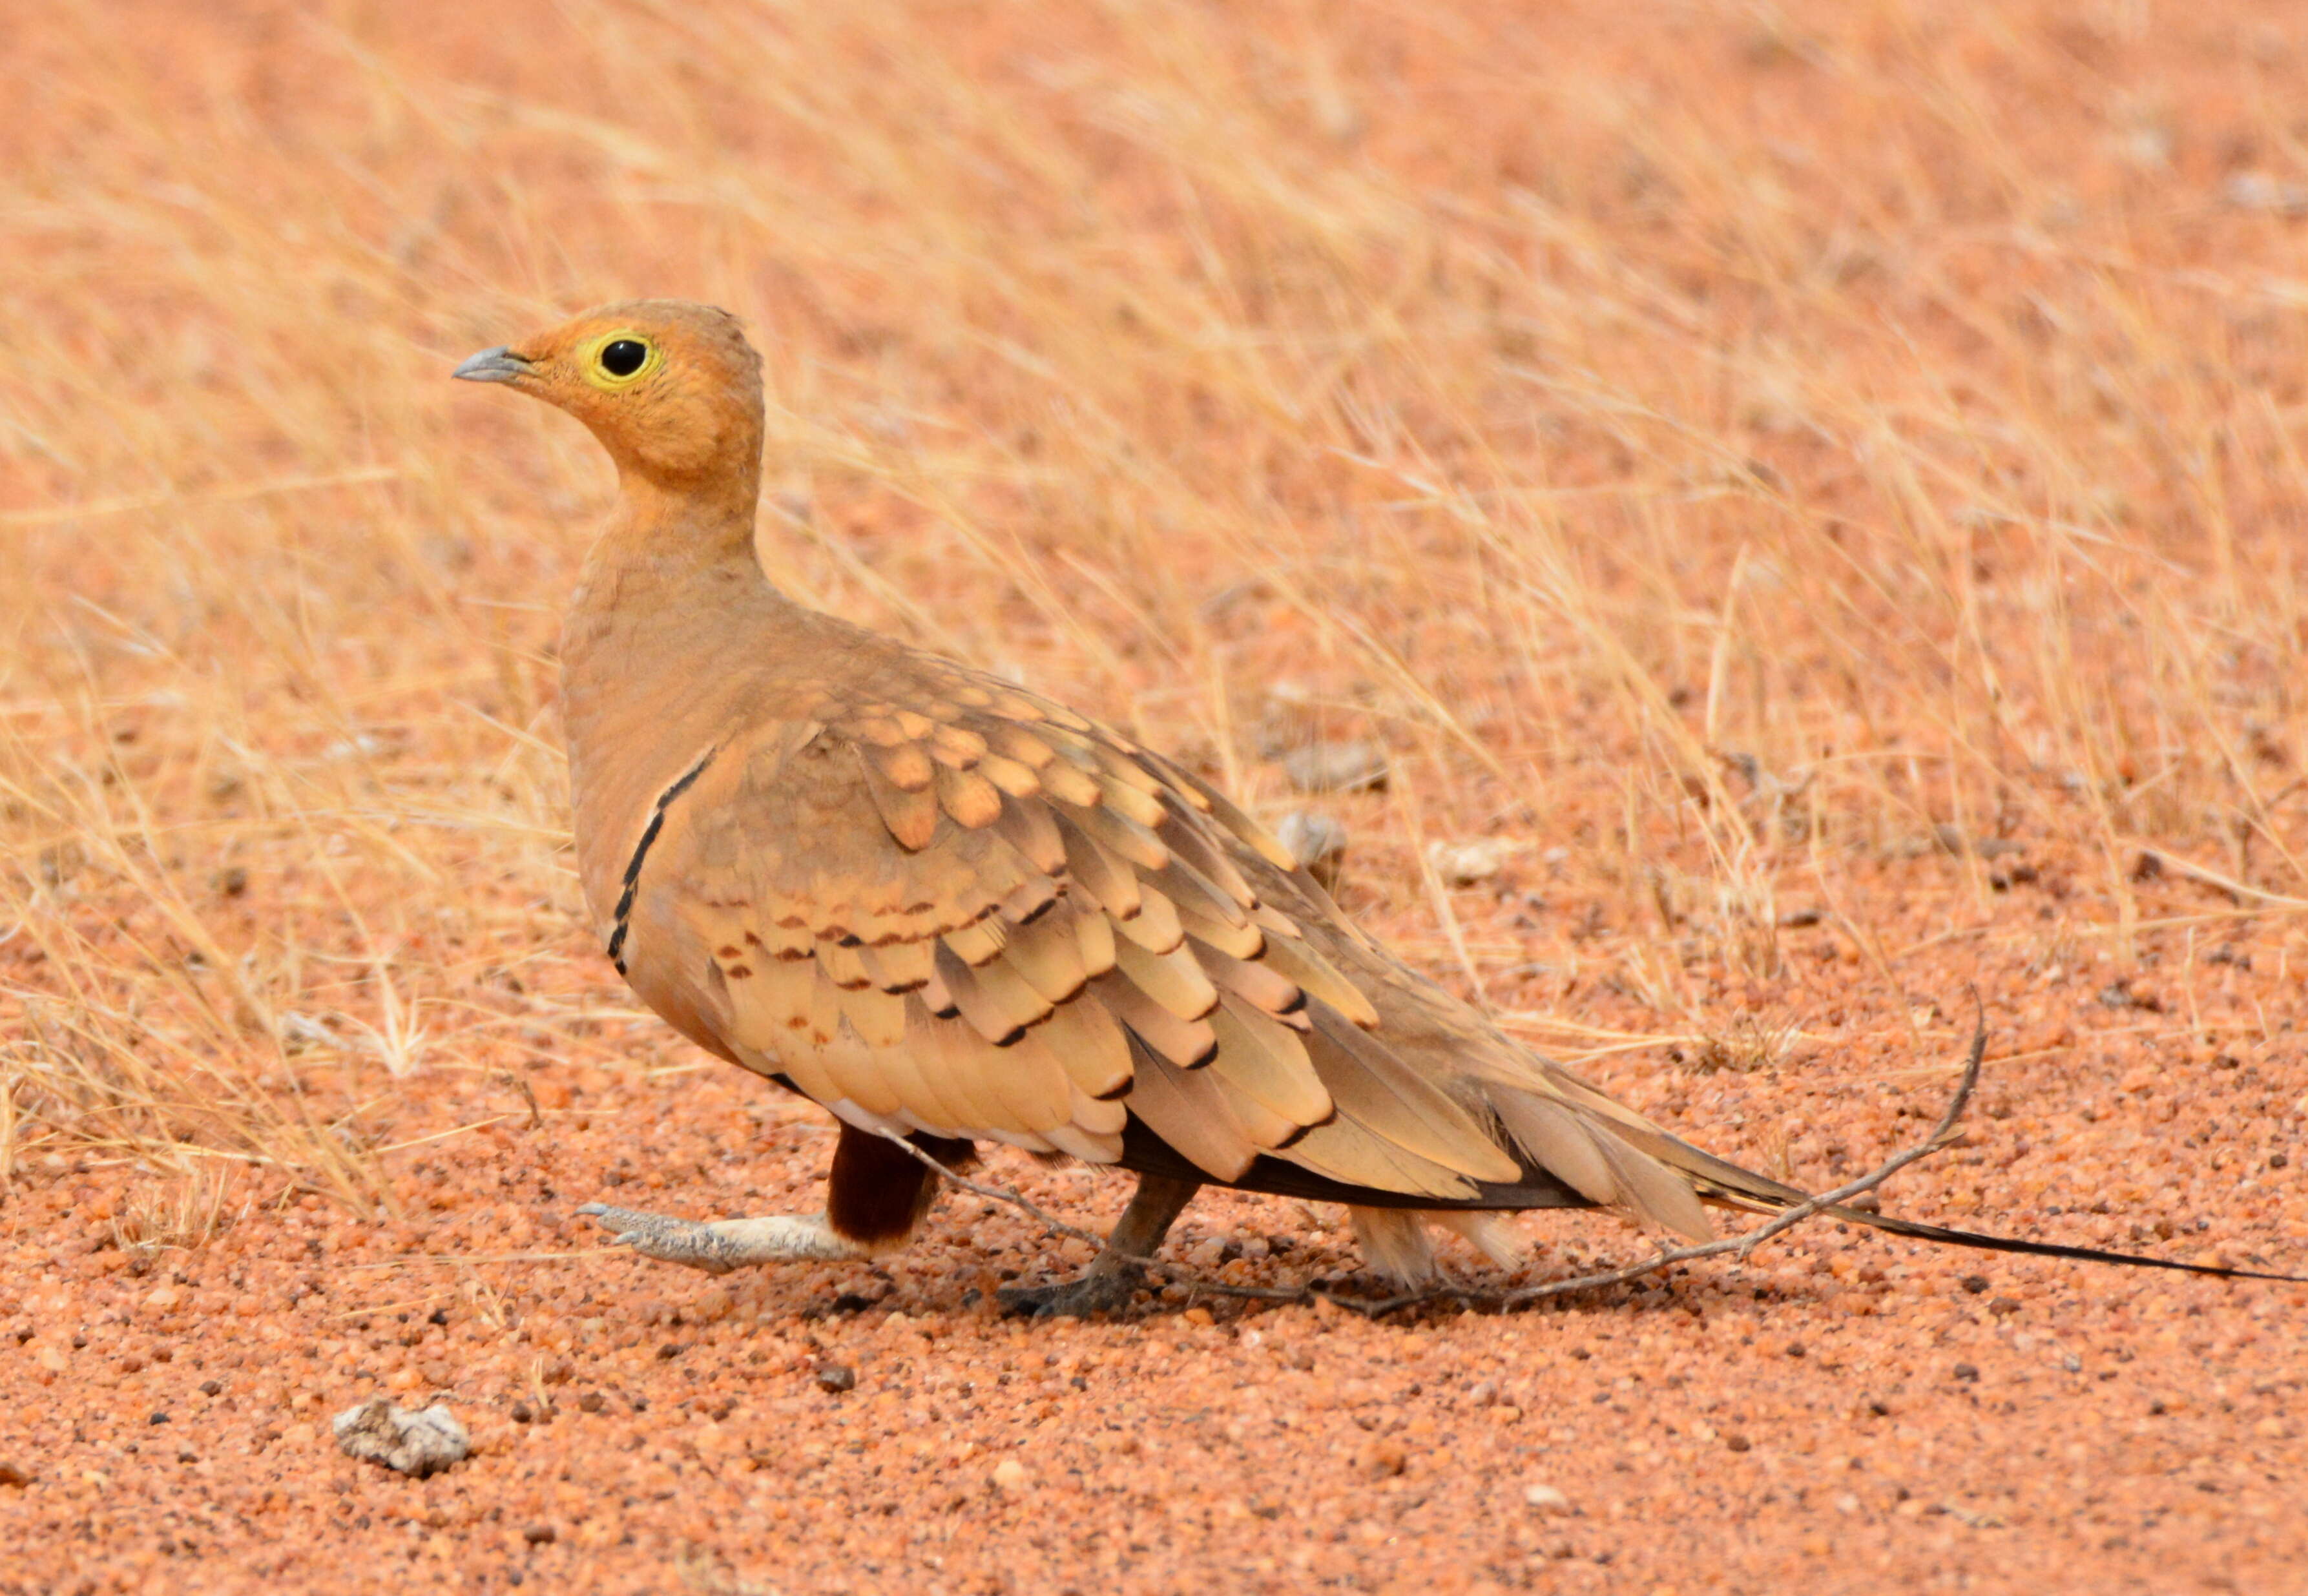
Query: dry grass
[
  {"x": 185, "y": 1213},
  {"x": 1750, "y": 448}
]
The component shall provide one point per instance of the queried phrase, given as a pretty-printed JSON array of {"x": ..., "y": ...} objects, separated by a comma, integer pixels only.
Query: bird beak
[{"x": 499, "y": 365}]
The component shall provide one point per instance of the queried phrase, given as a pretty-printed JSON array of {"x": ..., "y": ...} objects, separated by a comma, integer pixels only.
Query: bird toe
[
  {"x": 1070, "y": 1300},
  {"x": 662, "y": 1237}
]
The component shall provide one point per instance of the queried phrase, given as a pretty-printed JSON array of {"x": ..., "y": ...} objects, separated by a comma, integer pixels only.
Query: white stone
[
  {"x": 420, "y": 1443},
  {"x": 1544, "y": 1499}
]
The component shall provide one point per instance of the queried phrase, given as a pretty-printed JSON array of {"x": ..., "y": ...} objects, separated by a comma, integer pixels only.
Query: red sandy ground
[{"x": 1847, "y": 1413}]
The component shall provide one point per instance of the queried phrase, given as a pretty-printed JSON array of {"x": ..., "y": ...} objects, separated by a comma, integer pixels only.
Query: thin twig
[{"x": 1737, "y": 1246}]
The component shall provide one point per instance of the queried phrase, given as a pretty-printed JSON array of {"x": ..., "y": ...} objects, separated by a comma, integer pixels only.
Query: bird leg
[
  {"x": 1115, "y": 1274},
  {"x": 719, "y": 1246},
  {"x": 876, "y": 1193}
]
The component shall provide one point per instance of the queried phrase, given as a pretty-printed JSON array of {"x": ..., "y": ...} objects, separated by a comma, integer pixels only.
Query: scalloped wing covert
[{"x": 933, "y": 901}]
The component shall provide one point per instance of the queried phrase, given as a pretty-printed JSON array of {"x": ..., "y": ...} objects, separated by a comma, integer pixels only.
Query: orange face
[{"x": 672, "y": 390}]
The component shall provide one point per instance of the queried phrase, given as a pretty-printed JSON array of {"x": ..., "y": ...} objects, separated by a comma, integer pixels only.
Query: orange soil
[{"x": 1728, "y": 454}]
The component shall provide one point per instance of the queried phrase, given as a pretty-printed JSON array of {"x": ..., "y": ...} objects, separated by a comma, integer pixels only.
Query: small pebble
[
  {"x": 836, "y": 1377},
  {"x": 1316, "y": 841},
  {"x": 417, "y": 1444},
  {"x": 1336, "y": 767},
  {"x": 2257, "y": 191},
  {"x": 1464, "y": 864},
  {"x": 1010, "y": 1474},
  {"x": 1544, "y": 1499},
  {"x": 1383, "y": 1460}
]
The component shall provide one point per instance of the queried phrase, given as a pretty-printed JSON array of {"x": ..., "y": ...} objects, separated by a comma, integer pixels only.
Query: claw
[{"x": 1093, "y": 1293}]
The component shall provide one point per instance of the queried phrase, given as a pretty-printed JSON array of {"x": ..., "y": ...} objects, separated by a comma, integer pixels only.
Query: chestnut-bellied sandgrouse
[{"x": 949, "y": 909}]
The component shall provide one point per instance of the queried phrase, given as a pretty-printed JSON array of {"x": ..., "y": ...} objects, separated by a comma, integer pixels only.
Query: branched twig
[
  {"x": 1737, "y": 1246},
  {"x": 1740, "y": 1246}
]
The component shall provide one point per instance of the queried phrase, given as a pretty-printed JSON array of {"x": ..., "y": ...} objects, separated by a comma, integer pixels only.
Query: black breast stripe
[{"x": 641, "y": 852}]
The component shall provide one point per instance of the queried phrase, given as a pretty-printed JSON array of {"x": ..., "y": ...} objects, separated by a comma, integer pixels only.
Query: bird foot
[
  {"x": 1096, "y": 1292},
  {"x": 719, "y": 1246}
]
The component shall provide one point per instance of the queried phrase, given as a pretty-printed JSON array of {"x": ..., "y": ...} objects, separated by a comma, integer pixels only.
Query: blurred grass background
[{"x": 1821, "y": 481}]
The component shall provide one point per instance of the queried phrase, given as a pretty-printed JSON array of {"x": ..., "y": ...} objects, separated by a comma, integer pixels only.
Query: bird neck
[
  {"x": 673, "y": 564},
  {"x": 687, "y": 518},
  {"x": 671, "y": 628},
  {"x": 672, "y": 578}
]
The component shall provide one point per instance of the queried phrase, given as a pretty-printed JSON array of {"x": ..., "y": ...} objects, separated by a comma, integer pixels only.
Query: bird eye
[{"x": 623, "y": 356}]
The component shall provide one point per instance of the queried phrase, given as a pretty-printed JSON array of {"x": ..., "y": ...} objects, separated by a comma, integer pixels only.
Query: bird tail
[
  {"x": 1727, "y": 1185},
  {"x": 2045, "y": 1249},
  {"x": 1719, "y": 1182}
]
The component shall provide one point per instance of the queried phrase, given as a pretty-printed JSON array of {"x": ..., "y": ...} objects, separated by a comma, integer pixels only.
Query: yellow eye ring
[{"x": 618, "y": 360}]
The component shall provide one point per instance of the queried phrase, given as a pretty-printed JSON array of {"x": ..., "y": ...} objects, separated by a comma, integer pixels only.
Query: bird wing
[{"x": 931, "y": 901}]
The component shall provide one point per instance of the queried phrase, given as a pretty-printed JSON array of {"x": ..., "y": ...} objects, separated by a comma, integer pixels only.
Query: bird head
[{"x": 672, "y": 390}]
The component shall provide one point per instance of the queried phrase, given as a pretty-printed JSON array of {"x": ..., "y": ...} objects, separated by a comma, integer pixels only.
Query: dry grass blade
[{"x": 184, "y": 1213}]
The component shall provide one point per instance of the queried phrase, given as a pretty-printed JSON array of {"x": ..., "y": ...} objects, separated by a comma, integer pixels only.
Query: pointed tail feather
[
  {"x": 2047, "y": 1249},
  {"x": 1728, "y": 1184}
]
